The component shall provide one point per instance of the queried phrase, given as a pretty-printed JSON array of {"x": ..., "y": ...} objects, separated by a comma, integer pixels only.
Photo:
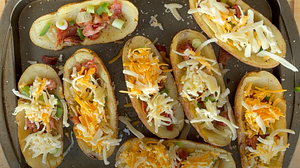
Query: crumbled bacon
[
  {"x": 49, "y": 60},
  {"x": 73, "y": 39},
  {"x": 63, "y": 34},
  {"x": 238, "y": 12},
  {"x": 31, "y": 126},
  {"x": 75, "y": 120},
  {"x": 52, "y": 124},
  {"x": 116, "y": 9},
  {"x": 225, "y": 115},
  {"x": 183, "y": 47},
  {"x": 182, "y": 154},
  {"x": 52, "y": 84},
  {"x": 223, "y": 56}
]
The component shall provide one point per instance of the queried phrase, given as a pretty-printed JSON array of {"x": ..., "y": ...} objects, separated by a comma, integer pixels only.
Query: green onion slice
[
  {"x": 164, "y": 91},
  {"x": 58, "y": 100},
  {"x": 118, "y": 23},
  {"x": 196, "y": 43},
  {"x": 41, "y": 98},
  {"x": 297, "y": 89},
  {"x": 72, "y": 22},
  {"x": 80, "y": 34},
  {"x": 25, "y": 90},
  {"x": 59, "y": 112},
  {"x": 45, "y": 29},
  {"x": 179, "y": 144},
  {"x": 102, "y": 8},
  {"x": 223, "y": 1},
  {"x": 90, "y": 9}
]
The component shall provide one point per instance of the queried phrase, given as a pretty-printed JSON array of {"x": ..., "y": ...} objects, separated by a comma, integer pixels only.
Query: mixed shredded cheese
[
  {"x": 243, "y": 33},
  {"x": 199, "y": 84},
  {"x": 144, "y": 75},
  {"x": 159, "y": 154},
  {"x": 90, "y": 95},
  {"x": 261, "y": 114},
  {"x": 39, "y": 106}
]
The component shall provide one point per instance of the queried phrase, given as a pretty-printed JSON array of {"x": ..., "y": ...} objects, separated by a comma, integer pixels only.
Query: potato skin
[
  {"x": 253, "y": 60},
  {"x": 80, "y": 56},
  {"x": 28, "y": 76},
  {"x": 260, "y": 79},
  {"x": 70, "y": 11},
  {"x": 179, "y": 39},
  {"x": 224, "y": 163},
  {"x": 137, "y": 42}
]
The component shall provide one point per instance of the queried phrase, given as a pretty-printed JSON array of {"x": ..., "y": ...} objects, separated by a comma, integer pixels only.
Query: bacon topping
[
  {"x": 116, "y": 9},
  {"x": 63, "y": 34},
  {"x": 32, "y": 127},
  {"x": 51, "y": 85},
  {"x": 223, "y": 56}
]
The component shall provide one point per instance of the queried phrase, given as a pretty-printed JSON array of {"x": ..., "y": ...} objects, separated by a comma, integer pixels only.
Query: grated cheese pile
[
  {"x": 90, "y": 96},
  {"x": 268, "y": 148},
  {"x": 39, "y": 107},
  {"x": 145, "y": 73},
  {"x": 242, "y": 33},
  {"x": 261, "y": 110},
  {"x": 158, "y": 154},
  {"x": 199, "y": 83},
  {"x": 43, "y": 143}
]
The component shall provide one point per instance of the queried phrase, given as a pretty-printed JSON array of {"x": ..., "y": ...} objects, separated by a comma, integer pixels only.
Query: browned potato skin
[
  {"x": 269, "y": 80},
  {"x": 253, "y": 60},
  {"x": 82, "y": 55},
  {"x": 137, "y": 42},
  {"x": 70, "y": 11},
  {"x": 185, "y": 144},
  {"x": 189, "y": 109},
  {"x": 42, "y": 71}
]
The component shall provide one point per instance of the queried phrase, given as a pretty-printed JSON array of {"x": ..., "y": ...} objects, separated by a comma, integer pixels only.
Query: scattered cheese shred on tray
[
  {"x": 154, "y": 22},
  {"x": 172, "y": 7}
]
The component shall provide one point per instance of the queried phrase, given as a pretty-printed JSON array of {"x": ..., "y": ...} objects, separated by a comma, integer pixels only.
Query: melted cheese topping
[
  {"x": 90, "y": 94},
  {"x": 155, "y": 154},
  {"x": 199, "y": 83},
  {"x": 145, "y": 72},
  {"x": 43, "y": 143},
  {"x": 260, "y": 112},
  {"x": 242, "y": 33}
]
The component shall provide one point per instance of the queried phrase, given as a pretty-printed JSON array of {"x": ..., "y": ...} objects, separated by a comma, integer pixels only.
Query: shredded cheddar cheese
[
  {"x": 198, "y": 84},
  {"x": 152, "y": 154},
  {"x": 90, "y": 95},
  {"x": 145, "y": 72}
]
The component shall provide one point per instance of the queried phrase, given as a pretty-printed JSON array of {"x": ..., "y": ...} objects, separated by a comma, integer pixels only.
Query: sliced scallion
[
  {"x": 90, "y": 9},
  {"x": 59, "y": 112},
  {"x": 164, "y": 91},
  {"x": 25, "y": 90},
  {"x": 118, "y": 23},
  {"x": 196, "y": 43},
  {"x": 178, "y": 144},
  {"x": 297, "y": 89},
  {"x": 80, "y": 34},
  {"x": 45, "y": 29},
  {"x": 72, "y": 22},
  {"x": 102, "y": 8}
]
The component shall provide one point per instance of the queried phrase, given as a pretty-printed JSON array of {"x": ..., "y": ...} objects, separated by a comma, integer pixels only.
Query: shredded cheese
[
  {"x": 125, "y": 121},
  {"x": 172, "y": 7},
  {"x": 243, "y": 33},
  {"x": 154, "y": 22}
]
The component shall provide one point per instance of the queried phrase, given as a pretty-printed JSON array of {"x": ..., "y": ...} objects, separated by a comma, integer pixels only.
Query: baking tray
[{"x": 16, "y": 49}]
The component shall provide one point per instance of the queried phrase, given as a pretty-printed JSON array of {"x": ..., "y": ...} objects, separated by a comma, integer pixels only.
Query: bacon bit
[
  {"x": 92, "y": 32},
  {"x": 144, "y": 107},
  {"x": 82, "y": 10},
  {"x": 78, "y": 67},
  {"x": 49, "y": 60},
  {"x": 63, "y": 34},
  {"x": 90, "y": 64},
  {"x": 51, "y": 85},
  {"x": 52, "y": 123},
  {"x": 182, "y": 154},
  {"x": 227, "y": 80},
  {"x": 116, "y": 9},
  {"x": 225, "y": 115},
  {"x": 32, "y": 127},
  {"x": 183, "y": 47},
  {"x": 169, "y": 127},
  {"x": 223, "y": 57},
  {"x": 75, "y": 120},
  {"x": 238, "y": 12},
  {"x": 73, "y": 39}
]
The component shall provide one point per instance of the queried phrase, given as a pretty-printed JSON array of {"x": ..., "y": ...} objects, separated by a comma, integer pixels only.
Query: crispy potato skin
[
  {"x": 260, "y": 79},
  {"x": 81, "y": 56},
  {"x": 137, "y": 42},
  {"x": 185, "y": 144},
  {"x": 70, "y": 11},
  {"x": 253, "y": 60},
  {"x": 179, "y": 39},
  {"x": 29, "y": 75}
]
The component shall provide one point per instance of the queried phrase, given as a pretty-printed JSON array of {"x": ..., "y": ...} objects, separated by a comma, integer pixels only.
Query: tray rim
[{"x": 5, "y": 139}]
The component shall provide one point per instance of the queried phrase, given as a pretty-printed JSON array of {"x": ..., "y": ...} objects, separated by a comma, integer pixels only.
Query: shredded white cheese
[
  {"x": 154, "y": 22},
  {"x": 172, "y": 7}
]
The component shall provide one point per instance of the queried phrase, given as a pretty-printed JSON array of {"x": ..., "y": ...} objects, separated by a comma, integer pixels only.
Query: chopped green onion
[
  {"x": 45, "y": 29},
  {"x": 102, "y": 8},
  {"x": 41, "y": 98},
  {"x": 72, "y": 22},
  {"x": 297, "y": 89},
  {"x": 223, "y": 1},
  {"x": 80, "y": 34},
  {"x": 164, "y": 91},
  {"x": 267, "y": 98},
  {"x": 261, "y": 49},
  {"x": 54, "y": 151},
  {"x": 90, "y": 9},
  {"x": 199, "y": 105},
  {"x": 211, "y": 98},
  {"x": 118, "y": 23},
  {"x": 58, "y": 100},
  {"x": 196, "y": 43},
  {"x": 178, "y": 144},
  {"x": 232, "y": 25},
  {"x": 59, "y": 112},
  {"x": 25, "y": 90},
  {"x": 108, "y": 12}
]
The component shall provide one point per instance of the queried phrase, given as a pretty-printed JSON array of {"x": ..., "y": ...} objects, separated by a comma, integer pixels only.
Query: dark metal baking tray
[{"x": 16, "y": 49}]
